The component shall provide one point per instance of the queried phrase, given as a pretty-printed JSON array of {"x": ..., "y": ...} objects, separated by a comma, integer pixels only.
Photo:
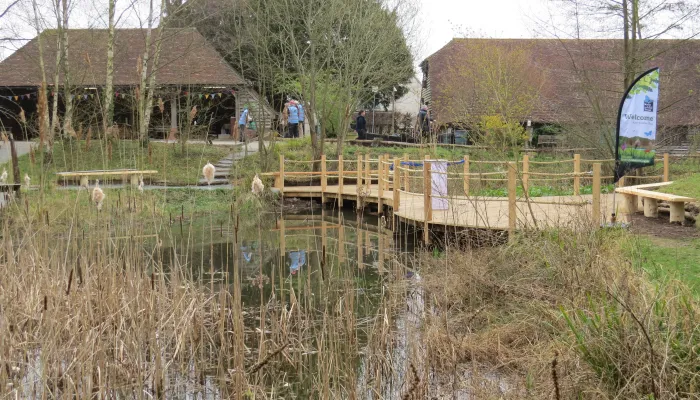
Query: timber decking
[{"x": 473, "y": 212}]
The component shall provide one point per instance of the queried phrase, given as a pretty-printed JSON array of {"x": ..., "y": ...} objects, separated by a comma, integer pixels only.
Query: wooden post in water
[
  {"x": 512, "y": 206},
  {"x": 340, "y": 180},
  {"x": 324, "y": 236},
  {"x": 397, "y": 185},
  {"x": 380, "y": 185},
  {"x": 281, "y": 182},
  {"x": 466, "y": 175},
  {"x": 596, "y": 194},
  {"x": 577, "y": 171},
  {"x": 526, "y": 173},
  {"x": 666, "y": 168},
  {"x": 427, "y": 202}
]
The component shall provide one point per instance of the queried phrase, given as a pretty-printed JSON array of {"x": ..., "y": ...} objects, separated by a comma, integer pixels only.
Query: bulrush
[
  {"x": 98, "y": 195},
  {"x": 208, "y": 171}
]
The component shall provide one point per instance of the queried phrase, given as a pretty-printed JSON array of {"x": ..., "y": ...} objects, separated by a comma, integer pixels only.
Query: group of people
[
  {"x": 422, "y": 128},
  {"x": 293, "y": 117}
]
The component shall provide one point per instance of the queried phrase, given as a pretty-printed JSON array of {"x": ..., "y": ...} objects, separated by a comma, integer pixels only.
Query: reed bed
[{"x": 131, "y": 303}]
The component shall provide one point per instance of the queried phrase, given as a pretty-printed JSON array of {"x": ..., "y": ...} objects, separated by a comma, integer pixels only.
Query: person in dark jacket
[{"x": 361, "y": 125}]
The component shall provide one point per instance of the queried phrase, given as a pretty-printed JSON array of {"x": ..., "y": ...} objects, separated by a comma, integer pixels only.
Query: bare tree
[{"x": 108, "y": 119}]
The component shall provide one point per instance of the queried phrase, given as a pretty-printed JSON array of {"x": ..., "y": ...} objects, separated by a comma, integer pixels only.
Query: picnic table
[
  {"x": 126, "y": 174},
  {"x": 651, "y": 199}
]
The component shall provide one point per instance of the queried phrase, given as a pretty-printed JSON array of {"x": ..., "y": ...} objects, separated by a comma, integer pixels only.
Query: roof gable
[{"x": 186, "y": 59}]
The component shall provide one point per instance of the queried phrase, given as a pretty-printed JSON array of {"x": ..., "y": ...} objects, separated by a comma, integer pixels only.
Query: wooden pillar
[
  {"x": 577, "y": 171},
  {"x": 397, "y": 185},
  {"x": 324, "y": 178},
  {"x": 324, "y": 235},
  {"x": 651, "y": 208},
  {"x": 358, "y": 181},
  {"x": 466, "y": 175},
  {"x": 526, "y": 173},
  {"x": 427, "y": 206},
  {"x": 380, "y": 185},
  {"x": 341, "y": 166},
  {"x": 134, "y": 180},
  {"x": 630, "y": 202},
  {"x": 368, "y": 174},
  {"x": 596, "y": 194},
  {"x": 281, "y": 181},
  {"x": 84, "y": 182},
  {"x": 666, "y": 168},
  {"x": 677, "y": 211},
  {"x": 406, "y": 175},
  {"x": 512, "y": 206}
]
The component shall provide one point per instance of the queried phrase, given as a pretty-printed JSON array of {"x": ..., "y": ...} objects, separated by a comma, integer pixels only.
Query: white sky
[{"x": 443, "y": 20}]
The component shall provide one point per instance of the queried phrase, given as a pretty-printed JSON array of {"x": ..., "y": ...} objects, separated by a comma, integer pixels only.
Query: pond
[{"x": 329, "y": 286}]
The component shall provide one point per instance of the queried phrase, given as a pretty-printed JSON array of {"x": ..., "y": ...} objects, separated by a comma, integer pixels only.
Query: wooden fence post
[
  {"x": 512, "y": 206},
  {"x": 427, "y": 206},
  {"x": 380, "y": 185},
  {"x": 577, "y": 171},
  {"x": 406, "y": 185},
  {"x": 596, "y": 194},
  {"x": 281, "y": 183},
  {"x": 324, "y": 180},
  {"x": 526, "y": 173},
  {"x": 397, "y": 185},
  {"x": 368, "y": 174},
  {"x": 466, "y": 175},
  {"x": 358, "y": 181},
  {"x": 341, "y": 166},
  {"x": 666, "y": 168}
]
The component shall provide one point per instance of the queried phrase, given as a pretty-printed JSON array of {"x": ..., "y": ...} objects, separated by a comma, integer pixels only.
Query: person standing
[
  {"x": 361, "y": 125},
  {"x": 242, "y": 122},
  {"x": 293, "y": 119},
  {"x": 423, "y": 122},
  {"x": 302, "y": 117}
]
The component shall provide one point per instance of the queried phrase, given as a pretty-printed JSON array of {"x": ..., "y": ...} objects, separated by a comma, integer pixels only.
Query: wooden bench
[
  {"x": 651, "y": 200},
  {"x": 549, "y": 141},
  {"x": 124, "y": 173}
]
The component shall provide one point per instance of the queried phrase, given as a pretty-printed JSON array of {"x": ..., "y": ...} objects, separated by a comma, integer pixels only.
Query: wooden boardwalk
[
  {"x": 386, "y": 183},
  {"x": 471, "y": 212}
]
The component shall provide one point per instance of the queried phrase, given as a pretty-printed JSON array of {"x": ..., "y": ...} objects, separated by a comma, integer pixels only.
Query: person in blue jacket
[
  {"x": 302, "y": 117},
  {"x": 293, "y": 119},
  {"x": 242, "y": 122}
]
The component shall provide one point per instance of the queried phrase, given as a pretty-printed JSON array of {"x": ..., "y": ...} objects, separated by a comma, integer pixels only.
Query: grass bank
[
  {"x": 688, "y": 186},
  {"x": 561, "y": 315},
  {"x": 174, "y": 166}
]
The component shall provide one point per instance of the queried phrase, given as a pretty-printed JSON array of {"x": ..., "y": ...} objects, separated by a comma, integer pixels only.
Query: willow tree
[{"x": 493, "y": 89}]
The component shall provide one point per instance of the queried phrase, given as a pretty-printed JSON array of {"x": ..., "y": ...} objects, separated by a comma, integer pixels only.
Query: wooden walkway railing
[{"x": 387, "y": 181}]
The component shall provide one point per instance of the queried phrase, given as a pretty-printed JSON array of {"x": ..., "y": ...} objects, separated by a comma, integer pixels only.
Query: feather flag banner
[{"x": 636, "y": 124}]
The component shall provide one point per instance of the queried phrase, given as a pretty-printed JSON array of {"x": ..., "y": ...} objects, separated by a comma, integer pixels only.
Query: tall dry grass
[{"x": 560, "y": 314}]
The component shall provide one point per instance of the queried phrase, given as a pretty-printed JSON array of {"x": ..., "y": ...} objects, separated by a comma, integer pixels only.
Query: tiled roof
[
  {"x": 573, "y": 72},
  {"x": 186, "y": 59}
]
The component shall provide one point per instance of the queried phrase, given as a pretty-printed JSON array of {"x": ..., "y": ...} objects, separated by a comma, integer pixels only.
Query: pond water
[{"x": 329, "y": 273}]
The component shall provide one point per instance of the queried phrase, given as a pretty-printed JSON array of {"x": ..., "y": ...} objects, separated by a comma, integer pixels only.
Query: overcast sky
[{"x": 443, "y": 20}]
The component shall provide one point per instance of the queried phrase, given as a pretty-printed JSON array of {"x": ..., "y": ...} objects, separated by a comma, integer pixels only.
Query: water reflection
[{"x": 316, "y": 281}]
